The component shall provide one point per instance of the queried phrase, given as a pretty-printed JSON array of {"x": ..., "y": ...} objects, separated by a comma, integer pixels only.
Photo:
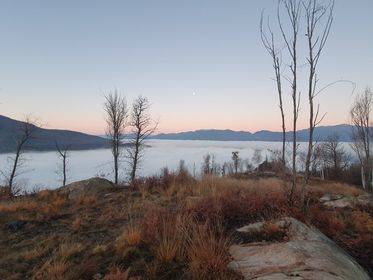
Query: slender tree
[
  {"x": 115, "y": 107},
  {"x": 319, "y": 19},
  {"x": 268, "y": 40},
  {"x": 291, "y": 12},
  {"x": 206, "y": 164},
  {"x": 236, "y": 161},
  {"x": 63, "y": 153},
  {"x": 24, "y": 134},
  {"x": 362, "y": 135},
  {"x": 143, "y": 126}
]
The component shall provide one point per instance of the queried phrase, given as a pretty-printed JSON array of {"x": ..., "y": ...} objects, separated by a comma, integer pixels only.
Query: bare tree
[
  {"x": 209, "y": 165},
  {"x": 334, "y": 154},
  {"x": 206, "y": 164},
  {"x": 317, "y": 161},
  {"x": 24, "y": 135},
  {"x": 268, "y": 40},
  {"x": 63, "y": 152},
  {"x": 236, "y": 161},
  {"x": 116, "y": 110},
  {"x": 319, "y": 19},
  {"x": 143, "y": 126},
  {"x": 292, "y": 11},
  {"x": 362, "y": 134},
  {"x": 257, "y": 157}
]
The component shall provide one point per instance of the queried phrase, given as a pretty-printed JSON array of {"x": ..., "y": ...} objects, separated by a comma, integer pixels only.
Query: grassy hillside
[{"x": 169, "y": 227}]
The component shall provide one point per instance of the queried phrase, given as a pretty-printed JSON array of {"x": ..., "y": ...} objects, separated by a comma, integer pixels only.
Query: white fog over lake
[{"x": 40, "y": 169}]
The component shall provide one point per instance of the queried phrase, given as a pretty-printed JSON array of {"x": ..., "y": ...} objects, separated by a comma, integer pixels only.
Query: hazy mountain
[
  {"x": 45, "y": 139},
  {"x": 207, "y": 134},
  {"x": 321, "y": 134}
]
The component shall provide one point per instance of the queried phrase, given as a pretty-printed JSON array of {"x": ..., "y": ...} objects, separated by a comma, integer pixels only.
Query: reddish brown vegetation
[{"x": 164, "y": 227}]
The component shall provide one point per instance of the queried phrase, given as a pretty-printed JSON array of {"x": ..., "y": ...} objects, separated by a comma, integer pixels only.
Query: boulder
[
  {"x": 306, "y": 253},
  {"x": 94, "y": 186}
]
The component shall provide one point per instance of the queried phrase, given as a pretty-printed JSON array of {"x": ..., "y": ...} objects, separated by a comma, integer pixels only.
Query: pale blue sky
[{"x": 57, "y": 57}]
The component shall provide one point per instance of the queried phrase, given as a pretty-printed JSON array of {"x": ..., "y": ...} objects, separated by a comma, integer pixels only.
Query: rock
[
  {"x": 340, "y": 203},
  {"x": 94, "y": 186},
  {"x": 257, "y": 227},
  {"x": 306, "y": 254},
  {"x": 329, "y": 197},
  {"x": 15, "y": 225}
]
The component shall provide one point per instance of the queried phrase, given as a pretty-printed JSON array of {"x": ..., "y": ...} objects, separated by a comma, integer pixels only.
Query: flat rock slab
[
  {"x": 340, "y": 201},
  {"x": 307, "y": 254}
]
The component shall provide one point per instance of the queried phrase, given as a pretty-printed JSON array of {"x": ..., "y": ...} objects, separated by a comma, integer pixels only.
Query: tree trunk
[
  {"x": 13, "y": 173},
  {"x": 64, "y": 171},
  {"x": 116, "y": 169},
  {"x": 363, "y": 177},
  {"x": 135, "y": 160}
]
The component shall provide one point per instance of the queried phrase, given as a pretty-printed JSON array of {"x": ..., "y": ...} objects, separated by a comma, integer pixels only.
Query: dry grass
[
  {"x": 19, "y": 205},
  {"x": 130, "y": 237},
  {"x": 169, "y": 243},
  {"x": 117, "y": 273},
  {"x": 362, "y": 221},
  {"x": 336, "y": 188},
  {"x": 208, "y": 254},
  {"x": 89, "y": 200},
  {"x": 77, "y": 224},
  {"x": 44, "y": 207},
  {"x": 68, "y": 250},
  {"x": 55, "y": 270},
  {"x": 100, "y": 249},
  {"x": 178, "y": 227},
  {"x": 45, "y": 194},
  {"x": 5, "y": 193},
  {"x": 34, "y": 253}
]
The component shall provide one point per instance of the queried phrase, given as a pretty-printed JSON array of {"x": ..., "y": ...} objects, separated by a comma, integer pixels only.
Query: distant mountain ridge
[
  {"x": 321, "y": 133},
  {"x": 45, "y": 139}
]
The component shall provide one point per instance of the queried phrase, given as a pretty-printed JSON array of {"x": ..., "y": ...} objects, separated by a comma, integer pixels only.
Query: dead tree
[
  {"x": 206, "y": 164},
  {"x": 268, "y": 40},
  {"x": 334, "y": 156},
  {"x": 257, "y": 158},
  {"x": 63, "y": 152},
  {"x": 143, "y": 126},
  {"x": 362, "y": 134},
  {"x": 236, "y": 161},
  {"x": 292, "y": 12},
  {"x": 24, "y": 135},
  {"x": 115, "y": 107},
  {"x": 319, "y": 19}
]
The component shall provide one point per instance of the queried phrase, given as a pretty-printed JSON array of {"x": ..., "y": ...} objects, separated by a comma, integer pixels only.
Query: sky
[{"x": 200, "y": 62}]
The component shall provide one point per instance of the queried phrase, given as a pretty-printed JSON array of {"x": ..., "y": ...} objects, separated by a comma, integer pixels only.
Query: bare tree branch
[
  {"x": 143, "y": 126},
  {"x": 116, "y": 110}
]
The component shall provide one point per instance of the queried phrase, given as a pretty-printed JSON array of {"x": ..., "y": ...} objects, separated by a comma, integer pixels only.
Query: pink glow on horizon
[{"x": 92, "y": 128}]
